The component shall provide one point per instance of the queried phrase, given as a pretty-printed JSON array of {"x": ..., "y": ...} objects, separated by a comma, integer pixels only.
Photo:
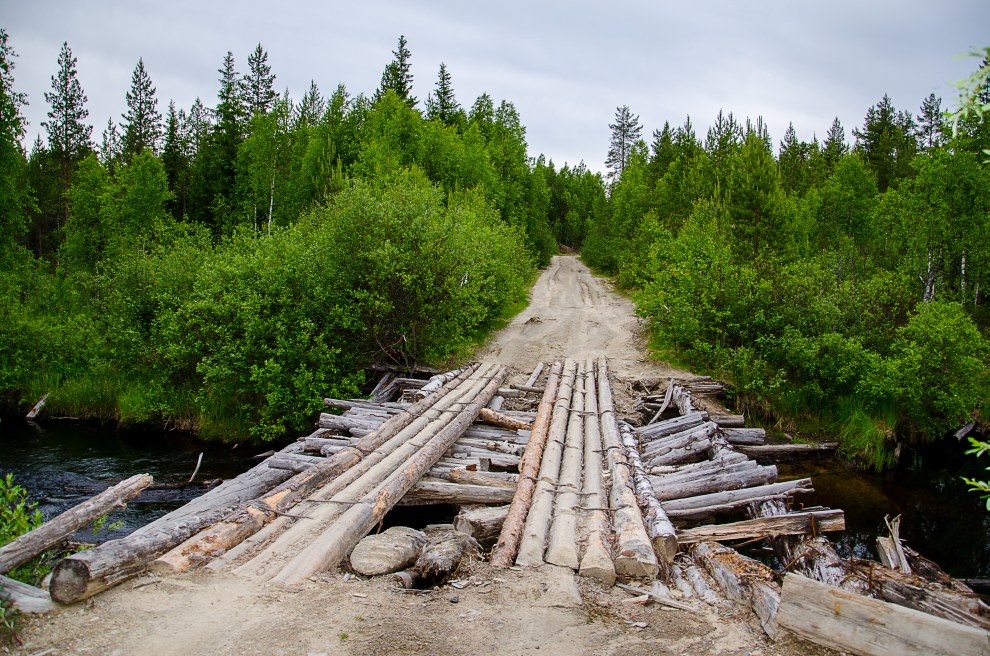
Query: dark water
[{"x": 61, "y": 464}]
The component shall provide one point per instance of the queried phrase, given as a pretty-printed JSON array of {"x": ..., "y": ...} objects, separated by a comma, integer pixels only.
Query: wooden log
[
  {"x": 24, "y": 598},
  {"x": 333, "y": 545},
  {"x": 648, "y": 434},
  {"x": 666, "y": 401},
  {"x": 533, "y": 539},
  {"x": 37, "y": 407},
  {"x": 812, "y": 555},
  {"x": 682, "y": 399},
  {"x": 487, "y": 478},
  {"x": 734, "y": 496},
  {"x": 345, "y": 423},
  {"x": 503, "y": 421},
  {"x": 845, "y": 621},
  {"x": 483, "y": 524},
  {"x": 729, "y": 421},
  {"x": 86, "y": 573},
  {"x": 438, "y": 381},
  {"x": 528, "y": 388},
  {"x": 889, "y": 547},
  {"x": 562, "y": 540},
  {"x": 701, "y": 432},
  {"x": 634, "y": 554},
  {"x": 425, "y": 493},
  {"x": 596, "y": 562},
  {"x": 768, "y": 451},
  {"x": 658, "y": 525},
  {"x": 56, "y": 530},
  {"x": 716, "y": 482},
  {"x": 701, "y": 471},
  {"x": 250, "y": 517},
  {"x": 511, "y": 393},
  {"x": 748, "y": 436},
  {"x": 443, "y": 554},
  {"x": 394, "y": 549},
  {"x": 535, "y": 376},
  {"x": 742, "y": 579},
  {"x": 695, "y": 450},
  {"x": 803, "y": 523},
  {"x": 699, "y": 583}
]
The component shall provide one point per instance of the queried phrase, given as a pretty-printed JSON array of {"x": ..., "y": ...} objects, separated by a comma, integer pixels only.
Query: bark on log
[
  {"x": 58, "y": 529},
  {"x": 658, "y": 525},
  {"x": 889, "y": 547},
  {"x": 729, "y": 421},
  {"x": 24, "y": 598},
  {"x": 701, "y": 471},
  {"x": 533, "y": 543},
  {"x": 425, "y": 493},
  {"x": 742, "y": 579},
  {"x": 747, "y": 436},
  {"x": 562, "y": 540},
  {"x": 597, "y": 559},
  {"x": 86, "y": 573},
  {"x": 483, "y": 524},
  {"x": 489, "y": 479},
  {"x": 724, "y": 459},
  {"x": 251, "y": 517},
  {"x": 355, "y": 523},
  {"x": 502, "y": 421},
  {"x": 735, "y": 496},
  {"x": 848, "y": 622},
  {"x": 803, "y": 523},
  {"x": 634, "y": 553},
  {"x": 443, "y": 554}
]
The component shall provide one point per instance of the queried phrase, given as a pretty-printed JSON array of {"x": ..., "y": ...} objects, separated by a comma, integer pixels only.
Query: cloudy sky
[{"x": 566, "y": 65}]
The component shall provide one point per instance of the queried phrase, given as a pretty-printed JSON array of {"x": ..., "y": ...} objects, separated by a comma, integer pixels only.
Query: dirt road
[{"x": 548, "y": 611}]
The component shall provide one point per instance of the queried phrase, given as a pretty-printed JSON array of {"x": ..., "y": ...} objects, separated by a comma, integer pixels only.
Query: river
[{"x": 57, "y": 461}]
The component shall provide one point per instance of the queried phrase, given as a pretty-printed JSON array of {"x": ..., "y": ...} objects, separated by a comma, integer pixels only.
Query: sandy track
[{"x": 574, "y": 314}]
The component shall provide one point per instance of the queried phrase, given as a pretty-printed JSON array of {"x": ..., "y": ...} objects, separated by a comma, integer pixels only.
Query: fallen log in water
[
  {"x": 658, "y": 525},
  {"x": 56, "y": 530},
  {"x": 848, "y": 622},
  {"x": 742, "y": 579},
  {"x": 770, "y": 451},
  {"x": 790, "y": 524}
]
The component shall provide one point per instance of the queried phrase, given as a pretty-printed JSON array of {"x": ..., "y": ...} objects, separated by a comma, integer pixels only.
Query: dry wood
[
  {"x": 535, "y": 376},
  {"x": 24, "y": 598},
  {"x": 742, "y": 579},
  {"x": 747, "y": 436},
  {"x": 680, "y": 440},
  {"x": 562, "y": 540},
  {"x": 498, "y": 419},
  {"x": 791, "y": 524},
  {"x": 597, "y": 559},
  {"x": 655, "y": 431},
  {"x": 666, "y": 401},
  {"x": 334, "y": 544},
  {"x": 788, "y": 450},
  {"x": 488, "y": 478},
  {"x": 682, "y": 399},
  {"x": 890, "y": 549},
  {"x": 848, "y": 622},
  {"x": 734, "y": 496},
  {"x": 533, "y": 541},
  {"x": 729, "y": 421},
  {"x": 528, "y": 388},
  {"x": 699, "y": 583},
  {"x": 426, "y": 493},
  {"x": 724, "y": 459},
  {"x": 811, "y": 555},
  {"x": 37, "y": 407},
  {"x": 58, "y": 529},
  {"x": 735, "y": 479},
  {"x": 86, "y": 573},
  {"x": 658, "y": 525},
  {"x": 634, "y": 554},
  {"x": 443, "y": 555},
  {"x": 483, "y": 524}
]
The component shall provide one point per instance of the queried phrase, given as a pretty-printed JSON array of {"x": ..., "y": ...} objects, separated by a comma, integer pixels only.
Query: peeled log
[
  {"x": 489, "y": 416},
  {"x": 58, "y": 529},
  {"x": 597, "y": 559},
  {"x": 804, "y": 523},
  {"x": 658, "y": 525},
  {"x": 562, "y": 543}
]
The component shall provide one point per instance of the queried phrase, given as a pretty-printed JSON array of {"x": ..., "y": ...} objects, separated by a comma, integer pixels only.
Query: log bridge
[{"x": 561, "y": 479}]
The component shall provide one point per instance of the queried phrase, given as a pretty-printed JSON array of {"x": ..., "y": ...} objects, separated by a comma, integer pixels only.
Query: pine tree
[
  {"x": 887, "y": 142},
  {"x": 441, "y": 105},
  {"x": 931, "y": 127},
  {"x": 753, "y": 189},
  {"x": 110, "y": 149},
  {"x": 663, "y": 152},
  {"x": 311, "y": 108},
  {"x": 793, "y": 162},
  {"x": 69, "y": 138},
  {"x": 196, "y": 128},
  {"x": 258, "y": 85},
  {"x": 13, "y": 195},
  {"x": 626, "y": 132},
  {"x": 835, "y": 146},
  {"x": 174, "y": 161},
  {"x": 397, "y": 76},
  {"x": 142, "y": 124}
]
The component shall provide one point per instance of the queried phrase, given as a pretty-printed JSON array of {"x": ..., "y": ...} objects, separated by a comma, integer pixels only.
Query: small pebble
[{"x": 454, "y": 599}]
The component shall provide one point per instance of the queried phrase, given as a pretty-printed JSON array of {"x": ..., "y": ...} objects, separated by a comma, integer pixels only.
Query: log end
[
  {"x": 637, "y": 565},
  {"x": 597, "y": 564},
  {"x": 665, "y": 546},
  {"x": 70, "y": 581}
]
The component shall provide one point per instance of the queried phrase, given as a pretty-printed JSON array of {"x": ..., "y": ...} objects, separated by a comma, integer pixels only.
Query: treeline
[
  {"x": 223, "y": 268},
  {"x": 838, "y": 286}
]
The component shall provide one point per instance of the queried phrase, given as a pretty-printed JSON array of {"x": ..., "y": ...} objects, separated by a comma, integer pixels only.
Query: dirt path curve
[
  {"x": 547, "y": 611},
  {"x": 574, "y": 314}
]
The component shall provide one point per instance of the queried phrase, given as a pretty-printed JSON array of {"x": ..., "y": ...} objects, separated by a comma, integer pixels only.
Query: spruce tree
[
  {"x": 793, "y": 162},
  {"x": 110, "y": 150},
  {"x": 626, "y": 132},
  {"x": 142, "y": 124},
  {"x": 69, "y": 137},
  {"x": 174, "y": 161},
  {"x": 835, "y": 146},
  {"x": 397, "y": 76},
  {"x": 258, "y": 84},
  {"x": 887, "y": 142},
  {"x": 311, "y": 108},
  {"x": 441, "y": 105},
  {"x": 662, "y": 152},
  {"x": 931, "y": 126}
]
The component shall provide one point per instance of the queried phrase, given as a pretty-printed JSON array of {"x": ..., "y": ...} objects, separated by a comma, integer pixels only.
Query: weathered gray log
[
  {"x": 56, "y": 530},
  {"x": 658, "y": 525},
  {"x": 562, "y": 540},
  {"x": 747, "y": 436},
  {"x": 665, "y": 403},
  {"x": 812, "y": 555},
  {"x": 647, "y": 434},
  {"x": 679, "y": 440},
  {"x": 729, "y": 421},
  {"x": 742, "y": 579},
  {"x": 436, "y": 382},
  {"x": 803, "y": 523},
  {"x": 347, "y": 423},
  {"x": 488, "y": 478},
  {"x": 425, "y": 493},
  {"x": 681, "y": 398},
  {"x": 889, "y": 547},
  {"x": 334, "y": 544},
  {"x": 715, "y": 482},
  {"x": 528, "y": 388},
  {"x": 634, "y": 555},
  {"x": 699, "y": 584},
  {"x": 86, "y": 573},
  {"x": 392, "y": 550},
  {"x": 703, "y": 470},
  {"x": 596, "y": 562},
  {"x": 443, "y": 554},
  {"x": 535, "y": 376},
  {"x": 850, "y": 623},
  {"x": 24, "y": 598},
  {"x": 768, "y": 451},
  {"x": 733, "y": 496},
  {"x": 689, "y": 448},
  {"x": 483, "y": 524},
  {"x": 507, "y": 546}
]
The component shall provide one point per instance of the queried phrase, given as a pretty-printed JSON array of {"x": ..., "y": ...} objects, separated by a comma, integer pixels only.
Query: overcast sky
[{"x": 566, "y": 65}]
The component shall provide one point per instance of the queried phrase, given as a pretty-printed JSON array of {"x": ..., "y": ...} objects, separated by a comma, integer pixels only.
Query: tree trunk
[
  {"x": 24, "y": 598},
  {"x": 597, "y": 559},
  {"x": 658, "y": 526},
  {"x": 742, "y": 579},
  {"x": 483, "y": 524},
  {"x": 803, "y": 523}
]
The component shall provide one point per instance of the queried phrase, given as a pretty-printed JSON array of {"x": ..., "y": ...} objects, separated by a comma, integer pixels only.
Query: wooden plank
[
  {"x": 792, "y": 524},
  {"x": 860, "y": 625}
]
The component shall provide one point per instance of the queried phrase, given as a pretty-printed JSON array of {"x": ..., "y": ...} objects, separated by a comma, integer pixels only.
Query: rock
[{"x": 390, "y": 551}]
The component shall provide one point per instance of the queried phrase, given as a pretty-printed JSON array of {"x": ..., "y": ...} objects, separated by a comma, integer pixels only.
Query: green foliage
[
  {"x": 17, "y": 517},
  {"x": 982, "y": 487}
]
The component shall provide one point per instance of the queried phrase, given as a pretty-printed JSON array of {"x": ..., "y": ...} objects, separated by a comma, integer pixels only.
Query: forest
[{"x": 221, "y": 268}]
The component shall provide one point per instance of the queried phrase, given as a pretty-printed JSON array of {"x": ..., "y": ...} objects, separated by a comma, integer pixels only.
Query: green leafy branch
[{"x": 983, "y": 487}]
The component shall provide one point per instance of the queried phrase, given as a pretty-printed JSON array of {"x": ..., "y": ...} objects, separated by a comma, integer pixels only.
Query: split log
[
  {"x": 848, "y": 622},
  {"x": 597, "y": 559},
  {"x": 511, "y": 393},
  {"x": 742, "y": 579},
  {"x": 699, "y": 584},
  {"x": 533, "y": 540},
  {"x": 498, "y": 419},
  {"x": 250, "y": 517},
  {"x": 24, "y": 598},
  {"x": 86, "y": 573},
  {"x": 748, "y": 436},
  {"x": 483, "y": 524},
  {"x": 333, "y": 545},
  {"x": 58, "y": 529},
  {"x": 790, "y": 524},
  {"x": 890, "y": 549},
  {"x": 658, "y": 526},
  {"x": 731, "y": 480},
  {"x": 812, "y": 555},
  {"x": 562, "y": 542},
  {"x": 634, "y": 552},
  {"x": 699, "y": 447}
]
